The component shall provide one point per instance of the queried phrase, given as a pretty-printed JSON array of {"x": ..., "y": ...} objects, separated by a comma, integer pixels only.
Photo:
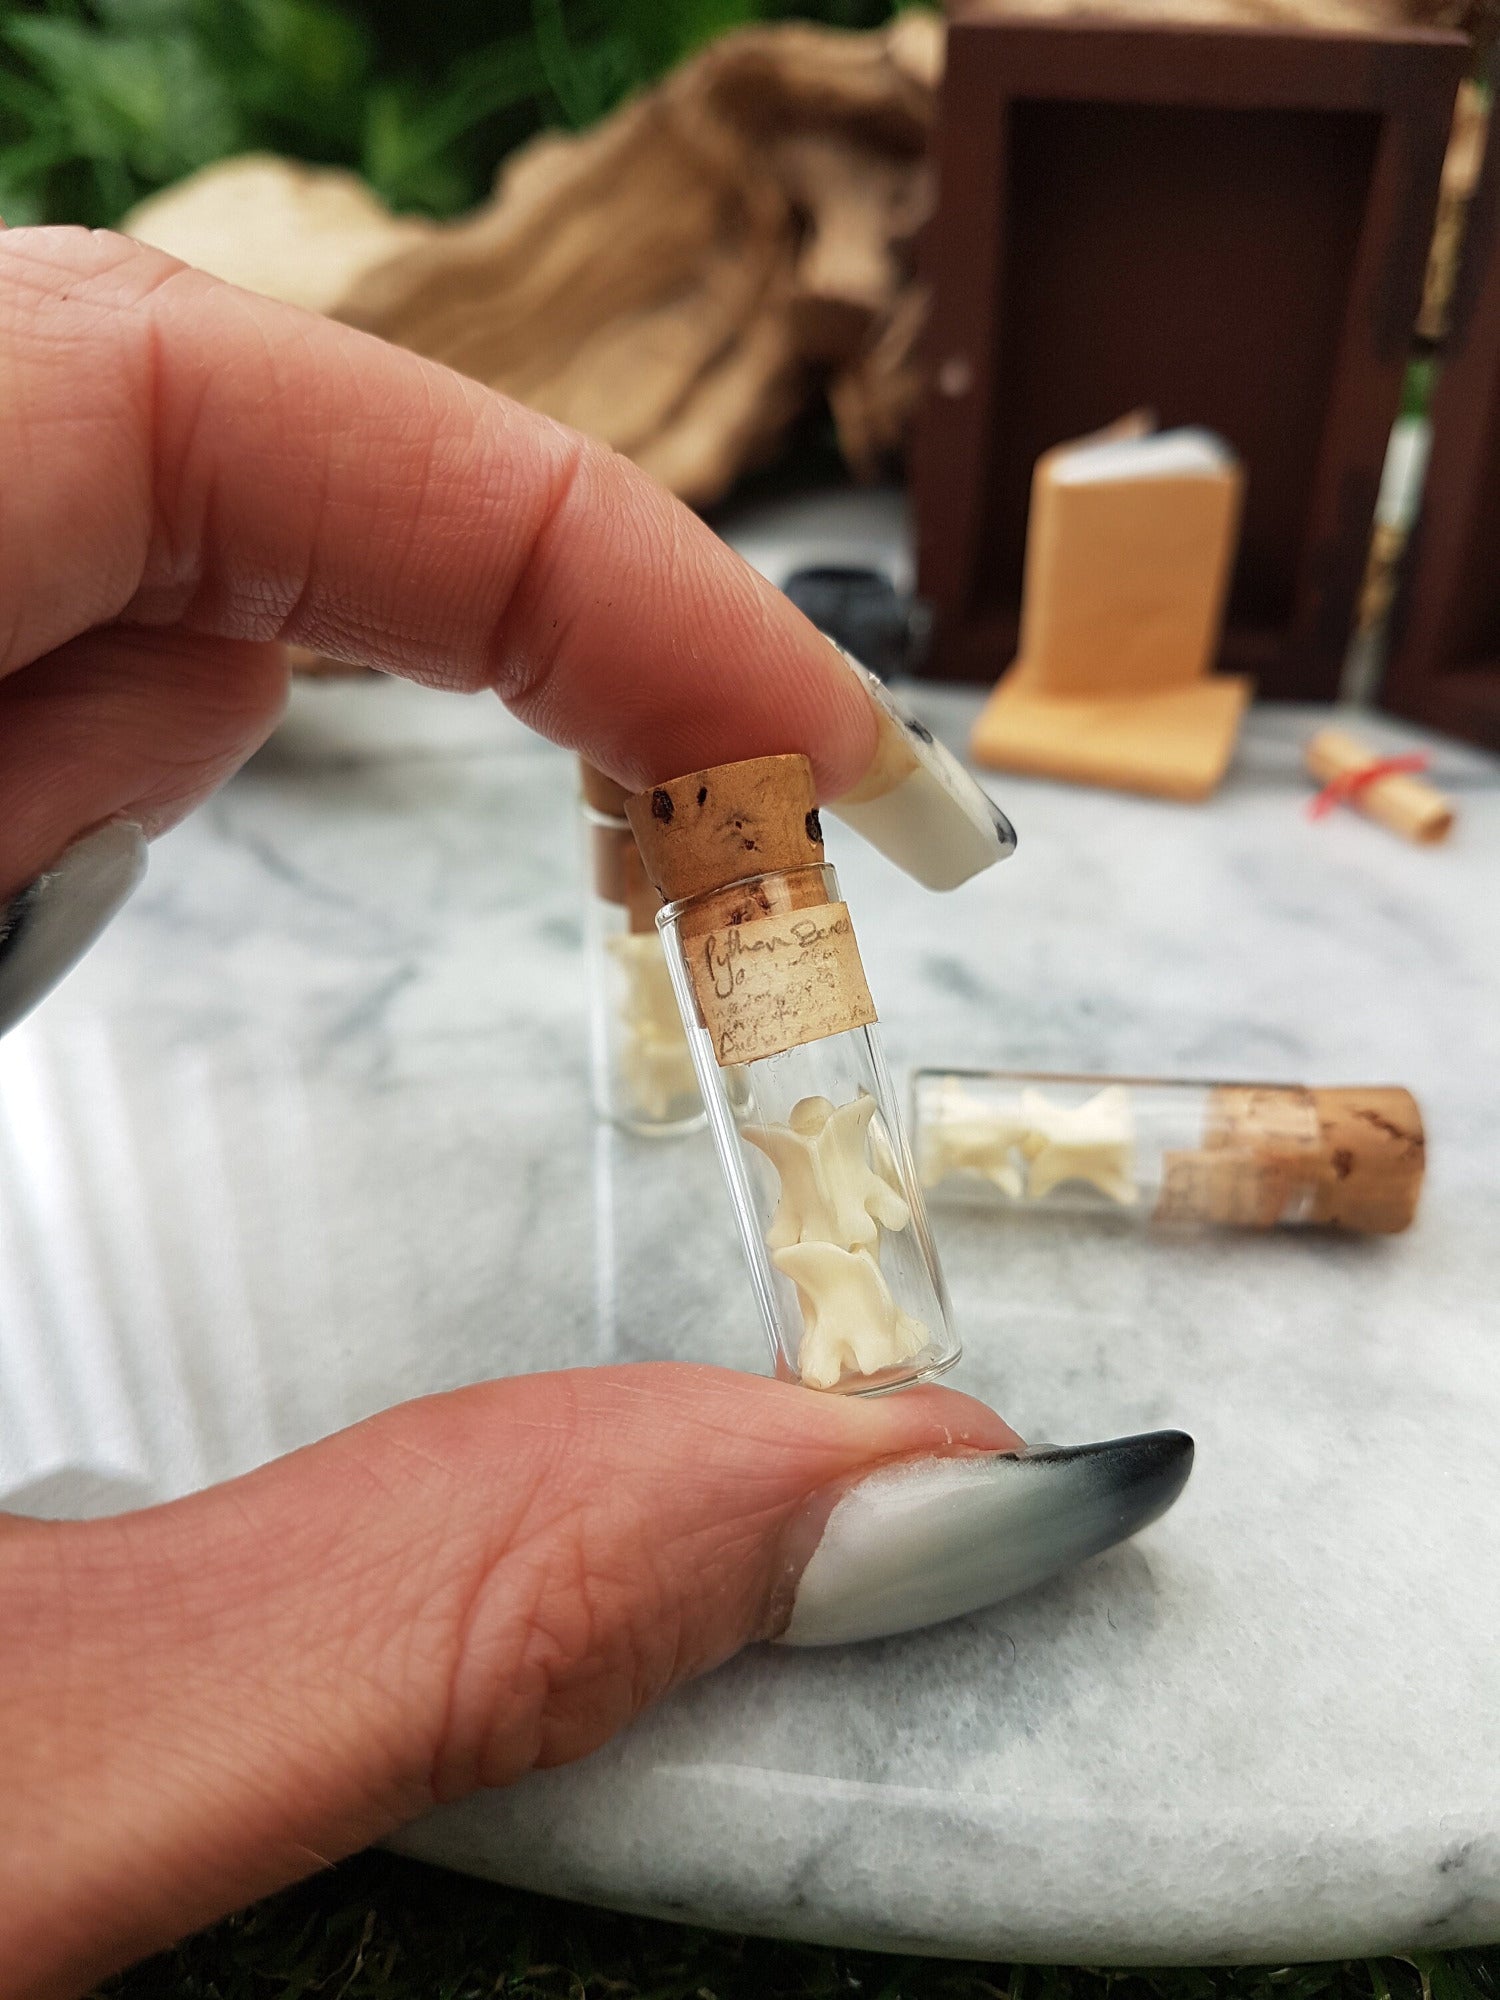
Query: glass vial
[
  {"x": 780, "y": 1022},
  {"x": 644, "y": 1080},
  {"x": 1237, "y": 1154}
]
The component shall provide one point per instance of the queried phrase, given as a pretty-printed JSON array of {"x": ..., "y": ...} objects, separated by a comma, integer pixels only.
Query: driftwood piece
[
  {"x": 679, "y": 280},
  {"x": 296, "y": 233}
]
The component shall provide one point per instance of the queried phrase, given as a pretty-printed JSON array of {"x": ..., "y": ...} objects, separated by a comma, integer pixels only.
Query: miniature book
[{"x": 1129, "y": 550}]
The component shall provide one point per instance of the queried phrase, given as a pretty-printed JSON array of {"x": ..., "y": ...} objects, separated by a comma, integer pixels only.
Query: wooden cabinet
[{"x": 1228, "y": 226}]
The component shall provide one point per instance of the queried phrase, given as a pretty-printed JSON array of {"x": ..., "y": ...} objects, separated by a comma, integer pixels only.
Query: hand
[
  {"x": 195, "y": 475},
  {"x": 204, "y": 1700}
]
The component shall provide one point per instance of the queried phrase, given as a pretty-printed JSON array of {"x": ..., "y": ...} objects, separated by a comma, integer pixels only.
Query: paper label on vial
[
  {"x": 1222, "y": 1187},
  {"x": 777, "y": 982}
]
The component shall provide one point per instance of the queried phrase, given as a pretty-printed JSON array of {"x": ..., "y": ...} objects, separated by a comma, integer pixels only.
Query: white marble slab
[{"x": 308, "y": 1133}]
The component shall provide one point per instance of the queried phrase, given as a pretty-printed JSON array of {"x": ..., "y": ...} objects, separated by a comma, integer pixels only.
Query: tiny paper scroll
[
  {"x": 777, "y": 982},
  {"x": 1353, "y": 772}
]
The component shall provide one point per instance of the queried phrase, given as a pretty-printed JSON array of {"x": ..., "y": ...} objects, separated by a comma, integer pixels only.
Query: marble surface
[{"x": 308, "y": 1133}]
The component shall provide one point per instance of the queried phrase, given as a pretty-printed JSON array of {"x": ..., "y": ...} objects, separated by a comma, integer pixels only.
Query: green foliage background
[{"x": 102, "y": 101}]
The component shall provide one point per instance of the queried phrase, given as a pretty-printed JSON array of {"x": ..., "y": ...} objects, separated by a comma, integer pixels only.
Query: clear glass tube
[
  {"x": 1251, "y": 1155},
  {"x": 819, "y": 1172},
  {"x": 643, "y": 1074}
]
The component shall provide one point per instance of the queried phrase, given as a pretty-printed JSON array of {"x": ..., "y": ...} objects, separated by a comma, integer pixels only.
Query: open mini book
[{"x": 1129, "y": 550}]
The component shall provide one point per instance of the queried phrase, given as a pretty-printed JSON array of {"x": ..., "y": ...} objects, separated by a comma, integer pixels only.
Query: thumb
[{"x": 202, "y": 1701}]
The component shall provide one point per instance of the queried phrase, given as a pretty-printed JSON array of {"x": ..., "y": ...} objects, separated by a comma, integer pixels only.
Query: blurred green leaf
[
  {"x": 137, "y": 16},
  {"x": 1417, "y": 387},
  {"x": 24, "y": 169},
  {"x": 663, "y": 33},
  {"x": 293, "y": 66},
  {"x": 102, "y": 101},
  {"x": 138, "y": 111},
  {"x": 586, "y": 78},
  {"x": 405, "y": 155},
  {"x": 410, "y": 135},
  {"x": 152, "y": 105}
]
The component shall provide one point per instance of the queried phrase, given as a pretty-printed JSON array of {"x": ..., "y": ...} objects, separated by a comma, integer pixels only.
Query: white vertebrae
[
  {"x": 1028, "y": 1151},
  {"x": 963, "y": 1137},
  {"x": 839, "y": 1189},
  {"x": 850, "y": 1321},
  {"x": 831, "y": 1192},
  {"x": 656, "y": 1066},
  {"x": 1095, "y": 1142}
]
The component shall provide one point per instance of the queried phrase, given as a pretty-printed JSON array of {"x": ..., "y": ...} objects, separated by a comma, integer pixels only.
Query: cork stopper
[
  {"x": 620, "y": 878},
  {"x": 619, "y": 874},
  {"x": 1373, "y": 1155},
  {"x": 703, "y": 831},
  {"x": 600, "y": 792},
  {"x": 772, "y": 962}
]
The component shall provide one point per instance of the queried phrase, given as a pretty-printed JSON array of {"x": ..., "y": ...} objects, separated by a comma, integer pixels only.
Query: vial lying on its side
[
  {"x": 781, "y": 1026},
  {"x": 1246, "y": 1155},
  {"x": 644, "y": 1080}
]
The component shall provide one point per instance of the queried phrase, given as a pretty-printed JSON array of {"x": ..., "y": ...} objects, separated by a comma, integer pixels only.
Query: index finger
[{"x": 199, "y": 457}]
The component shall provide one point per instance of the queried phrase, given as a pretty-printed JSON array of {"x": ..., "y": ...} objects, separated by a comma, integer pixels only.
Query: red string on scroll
[{"x": 1349, "y": 784}]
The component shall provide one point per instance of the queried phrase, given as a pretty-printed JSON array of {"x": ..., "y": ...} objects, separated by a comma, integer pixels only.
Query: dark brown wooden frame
[
  {"x": 1444, "y": 661},
  {"x": 1391, "y": 95}
]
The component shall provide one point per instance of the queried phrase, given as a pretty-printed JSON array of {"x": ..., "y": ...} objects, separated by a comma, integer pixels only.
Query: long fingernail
[
  {"x": 50, "y": 925},
  {"x": 918, "y": 804},
  {"x": 935, "y": 1539}
]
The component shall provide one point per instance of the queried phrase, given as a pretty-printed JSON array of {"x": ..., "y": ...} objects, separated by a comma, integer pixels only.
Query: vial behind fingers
[{"x": 644, "y": 1079}]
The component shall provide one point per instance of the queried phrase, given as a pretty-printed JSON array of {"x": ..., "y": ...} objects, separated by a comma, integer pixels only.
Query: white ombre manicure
[
  {"x": 49, "y": 926},
  {"x": 934, "y": 1539},
  {"x": 917, "y": 804}
]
